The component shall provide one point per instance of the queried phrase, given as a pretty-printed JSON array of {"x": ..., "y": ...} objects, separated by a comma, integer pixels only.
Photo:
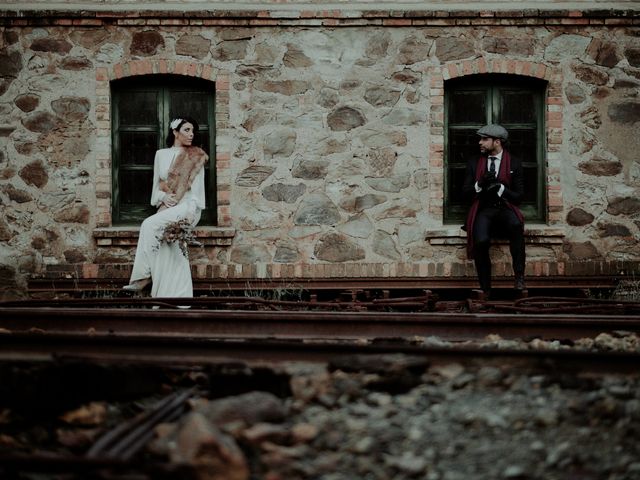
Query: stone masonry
[{"x": 329, "y": 137}]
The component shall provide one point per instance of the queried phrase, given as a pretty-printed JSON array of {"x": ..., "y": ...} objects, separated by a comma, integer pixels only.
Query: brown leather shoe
[{"x": 518, "y": 284}]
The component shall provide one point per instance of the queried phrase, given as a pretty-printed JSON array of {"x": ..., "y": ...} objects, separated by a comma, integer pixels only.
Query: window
[
  {"x": 513, "y": 101},
  {"x": 142, "y": 110}
]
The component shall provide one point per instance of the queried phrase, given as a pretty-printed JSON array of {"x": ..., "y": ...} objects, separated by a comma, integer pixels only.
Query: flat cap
[{"x": 494, "y": 131}]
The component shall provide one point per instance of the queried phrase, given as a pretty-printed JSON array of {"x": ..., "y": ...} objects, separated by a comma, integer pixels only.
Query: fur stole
[{"x": 183, "y": 171}]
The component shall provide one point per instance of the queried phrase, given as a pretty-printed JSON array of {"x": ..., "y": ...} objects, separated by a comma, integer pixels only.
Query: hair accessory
[{"x": 175, "y": 123}]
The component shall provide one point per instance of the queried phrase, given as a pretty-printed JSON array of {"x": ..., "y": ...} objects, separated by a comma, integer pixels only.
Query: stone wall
[{"x": 329, "y": 138}]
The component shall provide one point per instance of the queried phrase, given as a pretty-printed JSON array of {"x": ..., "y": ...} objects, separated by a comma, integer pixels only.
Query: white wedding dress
[{"x": 164, "y": 262}]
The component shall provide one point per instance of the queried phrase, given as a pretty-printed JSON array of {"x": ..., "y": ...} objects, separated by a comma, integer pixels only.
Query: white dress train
[{"x": 164, "y": 262}]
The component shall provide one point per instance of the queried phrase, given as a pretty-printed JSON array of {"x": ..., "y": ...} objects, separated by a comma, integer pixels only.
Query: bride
[{"x": 178, "y": 193}]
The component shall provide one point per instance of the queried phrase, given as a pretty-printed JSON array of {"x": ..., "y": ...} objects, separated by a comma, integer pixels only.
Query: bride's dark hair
[{"x": 171, "y": 138}]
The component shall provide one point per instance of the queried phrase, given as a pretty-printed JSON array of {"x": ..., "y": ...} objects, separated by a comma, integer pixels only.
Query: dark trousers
[{"x": 492, "y": 222}]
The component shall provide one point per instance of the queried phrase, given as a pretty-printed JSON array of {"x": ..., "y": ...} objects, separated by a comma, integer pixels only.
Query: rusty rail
[
  {"x": 205, "y": 323},
  {"x": 127, "y": 439}
]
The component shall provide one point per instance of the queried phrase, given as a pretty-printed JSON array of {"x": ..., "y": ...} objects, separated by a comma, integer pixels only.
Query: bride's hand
[{"x": 169, "y": 200}]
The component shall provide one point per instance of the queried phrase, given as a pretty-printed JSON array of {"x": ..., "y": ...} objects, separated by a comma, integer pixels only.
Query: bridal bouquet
[{"x": 180, "y": 231}]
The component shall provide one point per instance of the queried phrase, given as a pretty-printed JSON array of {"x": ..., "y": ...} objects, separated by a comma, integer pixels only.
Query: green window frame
[
  {"x": 142, "y": 108},
  {"x": 513, "y": 101}
]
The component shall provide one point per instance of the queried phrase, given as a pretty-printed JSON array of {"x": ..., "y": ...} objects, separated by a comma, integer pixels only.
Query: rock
[
  {"x": 508, "y": 45},
  {"x": 613, "y": 230},
  {"x": 76, "y": 63},
  {"x": 310, "y": 169},
  {"x": 623, "y": 205},
  {"x": 279, "y": 192},
  {"x": 286, "y": 254},
  {"x": 254, "y": 176},
  {"x": 364, "y": 202},
  {"x": 406, "y": 76},
  {"x": 357, "y": 226},
  {"x": 413, "y": 50},
  {"x": 7, "y": 276},
  {"x": 604, "y": 53},
  {"x": 71, "y": 108},
  {"x": 5, "y": 232},
  {"x": 624, "y": 113},
  {"x": 381, "y": 97},
  {"x": 27, "y": 102},
  {"x": 378, "y": 45},
  {"x": 316, "y": 209},
  {"x": 515, "y": 471},
  {"x": 94, "y": 413},
  {"x": 452, "y": 48},
  {"x": 566, "y": 46},
  {"x": 283, "y": 87},
  {"x": 231, "y": 50},
  {"x": 249, "y": 408},
  {"x": 249, "y": 254},
  {"x": 581, "y": 251},
  {"x": 577, "y": 217},
  {"x": 337, "y": 248},
  {"x": 265, "y": 432},
  {"x": 600, "y": 167},
  {"x": 90, "y": 38},
  {"x": 590, "y": 75},
  {"x": 212, "y": 454},
  {"x": 146, "y": 43},
  {"x": 304, "y": 432},
  {"x": 328, "y": 98},
  {"x": 40, "y": 122},
  {"x": 575, "y": 93},
  {"x": 389, "y": 184},
  {"x": 633, "y": 56},
  {"x": 381, "y": 161},
  {"x": 384, "y": 245},
  {"x": 74, "y": 256},
  {"x": 53, "y": 45},
  {"x": 408, "y": 463},
  {"x": 294, "y": 57},
  {"x": 10, "y": 64},
  {"x": 279, "y": 143},
  {"x": 405, "y": 116},
  {"x": 34, "y": 173},
  {"x": 195, "y": 46},
  {"x": 256, "y": 119},
  {"x": 15, "y": 195},
  {"x": 421, "y": 178},
  {"x": 345, "y": 118},
  {"x": 73, "y": 214},
  {"x": 398, "y": 211}
]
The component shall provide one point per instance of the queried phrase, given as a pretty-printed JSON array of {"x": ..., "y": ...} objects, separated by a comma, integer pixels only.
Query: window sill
[
  {"x": 128, "y": 236},
  {"x": 533, "y": 234}
]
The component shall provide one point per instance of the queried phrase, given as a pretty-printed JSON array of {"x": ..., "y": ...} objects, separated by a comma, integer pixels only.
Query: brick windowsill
[
  {"x": 534, "y": 234},
  {"x": 128, "y": 236}
]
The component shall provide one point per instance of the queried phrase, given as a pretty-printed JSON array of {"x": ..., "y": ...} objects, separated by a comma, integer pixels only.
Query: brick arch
[
  {"x": 104, "y": 75},
  {"x": 553, "y": 121}
]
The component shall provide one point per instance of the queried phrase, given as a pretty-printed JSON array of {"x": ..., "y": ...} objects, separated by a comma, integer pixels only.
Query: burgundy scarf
[
  {"x": 183, "y": 171},
  {"x": 504, "y": 176}
]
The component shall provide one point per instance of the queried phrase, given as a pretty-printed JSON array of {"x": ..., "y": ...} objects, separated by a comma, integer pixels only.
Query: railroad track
[
  {"x": 232, "y": 330},
  {"x": 211, "y": 329}
]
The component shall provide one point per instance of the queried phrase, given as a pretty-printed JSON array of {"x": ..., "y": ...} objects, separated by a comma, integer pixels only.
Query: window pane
[
  {"x": 138, "y": 108},
  {"x": 463, "y": 146},
  {"x": 523, "y": 144},
  {"x": 135, "y": 187},
  {"x": 517, "y": 107},
  {"x": 468, "y": 107},
  {"x": 530, "y": 184},
  {"x": 192, "y": 104},
  {"x": 203, "y": 139},
  {"x": 456, "y": 179},
  {"x": 138, "y": 148}
]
